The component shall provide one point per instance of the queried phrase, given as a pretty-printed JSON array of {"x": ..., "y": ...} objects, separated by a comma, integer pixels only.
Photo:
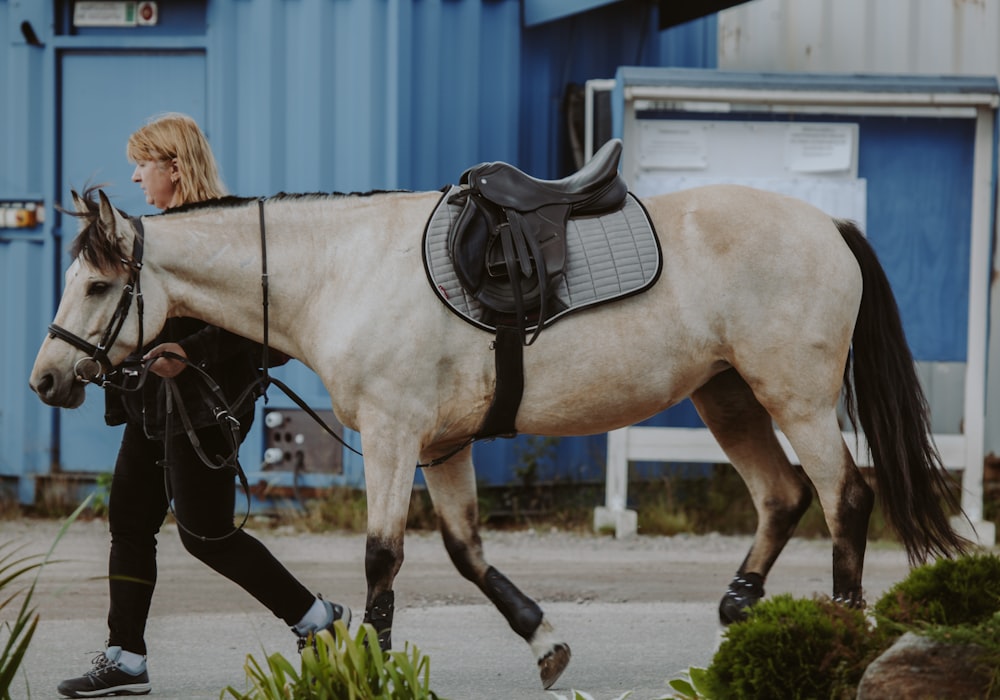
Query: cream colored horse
[{"x": 754, "y": 317}]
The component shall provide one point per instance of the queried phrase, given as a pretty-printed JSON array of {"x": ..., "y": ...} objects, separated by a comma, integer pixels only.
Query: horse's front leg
[
  {"x": 388, "y": 484},
  {"x": 452, "y": 486}
]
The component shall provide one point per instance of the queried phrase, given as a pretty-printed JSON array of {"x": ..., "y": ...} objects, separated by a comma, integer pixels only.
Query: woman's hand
[{"x": 166, "y": 367}]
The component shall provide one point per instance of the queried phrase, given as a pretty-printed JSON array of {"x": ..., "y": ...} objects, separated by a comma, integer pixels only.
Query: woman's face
[{"x": 158, "y": 181}]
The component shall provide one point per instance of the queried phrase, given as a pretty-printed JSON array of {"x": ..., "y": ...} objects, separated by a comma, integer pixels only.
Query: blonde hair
[{"x": 176, "y": 135}]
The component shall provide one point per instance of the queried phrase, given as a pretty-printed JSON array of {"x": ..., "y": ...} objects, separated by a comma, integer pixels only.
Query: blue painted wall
[{"x": 310, "y": 95}]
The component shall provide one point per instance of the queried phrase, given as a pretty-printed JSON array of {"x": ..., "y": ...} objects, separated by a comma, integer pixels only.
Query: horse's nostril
[{"x": 44, "y": 385}]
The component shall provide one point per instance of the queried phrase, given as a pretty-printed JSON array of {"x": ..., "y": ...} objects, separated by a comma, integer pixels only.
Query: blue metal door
[{"x": 104, "y": 97}]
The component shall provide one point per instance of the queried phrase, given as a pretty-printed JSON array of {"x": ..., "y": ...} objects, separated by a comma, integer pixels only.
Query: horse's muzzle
[{"x": 67, "y": 394}]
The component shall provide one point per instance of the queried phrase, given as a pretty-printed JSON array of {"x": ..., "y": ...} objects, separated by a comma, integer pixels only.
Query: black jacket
[{"x": 232, "y": 361}]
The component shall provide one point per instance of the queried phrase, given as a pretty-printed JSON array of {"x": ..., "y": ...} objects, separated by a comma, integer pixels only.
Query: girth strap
[{"x": 509, "y": 358}]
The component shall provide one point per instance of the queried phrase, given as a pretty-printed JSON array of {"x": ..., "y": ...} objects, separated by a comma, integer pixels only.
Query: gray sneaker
[
  {"x": 107, "y": 677},
  {"x": 334, "y": 612}
]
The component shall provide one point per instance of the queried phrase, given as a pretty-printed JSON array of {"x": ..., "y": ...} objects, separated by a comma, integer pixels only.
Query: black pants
[{"x": 204, "y": 500}]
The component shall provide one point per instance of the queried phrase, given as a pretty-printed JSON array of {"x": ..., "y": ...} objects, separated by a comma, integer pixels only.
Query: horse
[{"x": 767, "y": 312}]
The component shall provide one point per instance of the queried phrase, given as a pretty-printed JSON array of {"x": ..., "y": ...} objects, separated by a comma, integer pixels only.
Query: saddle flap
[{"x": 469, "y": 241}]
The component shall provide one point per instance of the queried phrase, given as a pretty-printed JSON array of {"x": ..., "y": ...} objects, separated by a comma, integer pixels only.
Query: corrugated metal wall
[
  {"x": 310, "y": 95},
  {"x": 27, "y": 273},
  {"x": 861, "y": 36},
  {"x": 358, "y": 95},
  {"x": 346, "y": 96},
  {"x": 889, "y": 36}
]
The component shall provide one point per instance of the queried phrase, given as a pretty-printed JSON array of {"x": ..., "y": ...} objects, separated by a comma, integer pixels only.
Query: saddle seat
[
  {"x": 508, "y": 244},
  {"x": 593, "y": 189}
]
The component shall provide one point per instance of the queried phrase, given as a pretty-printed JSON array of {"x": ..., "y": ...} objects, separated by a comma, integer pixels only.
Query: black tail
[{"x": 913, "y": 487}]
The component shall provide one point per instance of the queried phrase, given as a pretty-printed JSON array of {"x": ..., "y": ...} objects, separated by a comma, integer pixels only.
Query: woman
[{"x": 175, "y": 166}]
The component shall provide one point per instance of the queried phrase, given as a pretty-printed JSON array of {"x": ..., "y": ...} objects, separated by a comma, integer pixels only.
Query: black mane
[
  {"x": 106, "y": 255},
  {"x": 234, "y": 201},
  {"x": 90, "y": 243}
]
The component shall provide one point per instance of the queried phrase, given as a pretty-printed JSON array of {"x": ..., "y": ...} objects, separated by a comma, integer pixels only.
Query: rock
[{"x": 918, "y": 667}]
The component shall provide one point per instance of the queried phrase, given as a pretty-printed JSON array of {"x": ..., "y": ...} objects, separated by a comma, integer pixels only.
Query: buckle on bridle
[{"x": 222, "y": 414}]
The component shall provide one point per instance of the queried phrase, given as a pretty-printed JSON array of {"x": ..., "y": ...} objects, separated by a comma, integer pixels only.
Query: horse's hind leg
[
  {"x": 804, "y": 405},
  {"x": 779, "y": 490},
  {"x": 452, "y": 487},
  {"x": 846, "y": 498}
]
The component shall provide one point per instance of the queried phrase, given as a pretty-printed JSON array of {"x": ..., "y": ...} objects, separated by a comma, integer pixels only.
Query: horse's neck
[
  {"x": 210, "y": 265},
  {"x": 319, "y": 251}
]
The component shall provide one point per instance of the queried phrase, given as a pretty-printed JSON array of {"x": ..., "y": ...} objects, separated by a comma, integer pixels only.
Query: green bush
[
  {"x": 794, "y": 648},
  {"x": 949, "y": 592},
  {"x": 341, "y": 668}
]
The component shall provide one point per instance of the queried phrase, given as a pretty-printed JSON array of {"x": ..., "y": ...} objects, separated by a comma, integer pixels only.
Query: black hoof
[
  {"x": 744, "y": 592},
  {"x": 553, "y": 664}
]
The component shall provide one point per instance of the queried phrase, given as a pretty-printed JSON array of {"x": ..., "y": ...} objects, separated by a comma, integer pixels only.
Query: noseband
[{"x": 96, "y": 363}]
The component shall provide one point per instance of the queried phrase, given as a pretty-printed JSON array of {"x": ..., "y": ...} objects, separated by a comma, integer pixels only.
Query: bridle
[{"x": 97, "y": 364}]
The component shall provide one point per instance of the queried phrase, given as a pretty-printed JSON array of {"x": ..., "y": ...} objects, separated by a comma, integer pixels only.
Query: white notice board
[
  {"x": 749, "y": 148},
  {"x": 813, "y": 161}
]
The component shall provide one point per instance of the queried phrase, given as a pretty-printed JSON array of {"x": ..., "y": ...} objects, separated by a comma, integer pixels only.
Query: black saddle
[{"x": 508, "y": 244}]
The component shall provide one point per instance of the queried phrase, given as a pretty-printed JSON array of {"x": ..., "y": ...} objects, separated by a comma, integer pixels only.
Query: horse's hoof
[
  {"x": 553, "y": 664},
  {"x": 744, "y": 592}
]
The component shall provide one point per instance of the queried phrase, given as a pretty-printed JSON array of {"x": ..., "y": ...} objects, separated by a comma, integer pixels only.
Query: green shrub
[
  {"x": 16, "y": 636},
  {"x": 341, "y": 669},
  {"x": 949, "y": 592},
  {"x": 790, "y": 648}
]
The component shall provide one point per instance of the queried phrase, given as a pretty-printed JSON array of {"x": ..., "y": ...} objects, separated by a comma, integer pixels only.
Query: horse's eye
[{"x": 97, "y": 288}]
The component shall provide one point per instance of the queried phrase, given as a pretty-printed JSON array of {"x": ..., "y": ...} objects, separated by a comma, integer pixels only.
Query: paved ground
[{"x": 636, "y": 613}]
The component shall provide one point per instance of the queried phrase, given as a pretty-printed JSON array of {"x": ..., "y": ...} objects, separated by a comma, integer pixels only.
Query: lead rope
[{"x": 229, "y": 425}]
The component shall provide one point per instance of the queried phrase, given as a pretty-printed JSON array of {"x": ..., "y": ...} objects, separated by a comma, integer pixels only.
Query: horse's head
[{"x": 98, "y": 321}]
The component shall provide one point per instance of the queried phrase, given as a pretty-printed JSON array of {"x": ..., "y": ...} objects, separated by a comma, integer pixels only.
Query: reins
[
  {"x": 266, "y": 380},
  {"x": 227, "y": 422}
]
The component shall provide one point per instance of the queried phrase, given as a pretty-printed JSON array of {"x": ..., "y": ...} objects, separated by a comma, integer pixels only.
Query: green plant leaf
[
  {"x": 683, "y": 687},
  {"x": 700, "y": 680},
  {"x": 22, "y": 630},
  {"x": 342, "y": 668}
]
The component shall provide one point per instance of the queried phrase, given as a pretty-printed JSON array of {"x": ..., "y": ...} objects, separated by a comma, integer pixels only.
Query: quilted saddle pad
[{"x": 608, "y": 257}]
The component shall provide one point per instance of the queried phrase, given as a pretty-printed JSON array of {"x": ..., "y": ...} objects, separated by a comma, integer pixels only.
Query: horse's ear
[
  {"x": 107, "y": 214},
  {"x": 112, "y": 224},
  {"x": 79, "y": 202}
]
